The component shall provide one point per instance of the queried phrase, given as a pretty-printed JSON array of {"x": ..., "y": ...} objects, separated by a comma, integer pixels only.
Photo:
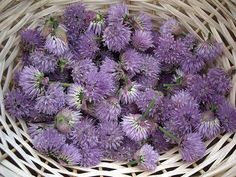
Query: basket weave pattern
[{"x": 18, "y": 158}]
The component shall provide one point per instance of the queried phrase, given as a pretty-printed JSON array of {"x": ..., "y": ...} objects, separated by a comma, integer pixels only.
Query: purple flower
[
  {"x": 90, "y": 157},
  {"x": 67, "y": 61},
  {"x": 74, "y": 19},
  {"x": 18, "y": 104},
  {"x": 52, "y": 100},
  {"x": 210, "y": 125},
  {"x": 219, "y": 80},
  {"x": 159, "y": 142},
  {"x": 209, "y": 50},
  {"x": 142, "y": 40},
  {"x": 66, "y": 119},
  {"x": 129, "y": 93},
  {"x": 43, "y": 62},
  {"x": 49, "y": 141},
  {"x": 108, "y": 109},
  {"x": 227, "y": 116},
  {"x": 116, "y": 37},
  {"x": 31, "y": 39},
  {"x": 142, "y": 22},
  {"x": 147, "y": 81},
  {"x": 85, "y": 134},
  {"x": 117, "y": 13},
  {"x": 125, "y": 152},
  {"x": 31, "y": 81},
  {"x": 56, "y": 45},
  {"x": 135, "y": 128},
  {"x": 87, "y": 46},
  {"x": 151, "y": 66},
  {"x": 109, "y": 66},
  {"x": 184, "y": 119},
  {"x": 147, "y": 158},
  {"x": 81, "y": 70},
  {"x": 191, "y": 147},
  {"x": 75, "y": 95},
  {"x": 132, "y": 60},
  {"x": 98, "y": 86},
  {"x": 35, "y": 129},
  {"x": 182, "y": 98},
  {"x": 97, "y": 25},
  {"x": 169, "y": 51},
  {"x": 190, "y": 41},
  {"x": 68, "y": 155},
  {"x": 171, "y": 26},
  {"x": 200, "y": 89},
  {"x": 110, "y": 134},
  {"x": 146, "y": 97},
  {"x": 192, "y": 64}
]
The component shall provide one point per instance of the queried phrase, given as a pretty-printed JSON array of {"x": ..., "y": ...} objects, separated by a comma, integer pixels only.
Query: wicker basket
[{"x": 18, "y": 158}]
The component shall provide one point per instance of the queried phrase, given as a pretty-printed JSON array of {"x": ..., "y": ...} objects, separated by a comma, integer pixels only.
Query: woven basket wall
[{"x": 18, "y": 158}]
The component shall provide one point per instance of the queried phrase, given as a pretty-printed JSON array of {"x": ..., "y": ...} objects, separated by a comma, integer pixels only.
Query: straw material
[{"x": 18, "y": 158}]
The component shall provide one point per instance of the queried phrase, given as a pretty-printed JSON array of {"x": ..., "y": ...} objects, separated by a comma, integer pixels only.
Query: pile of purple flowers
[{"x": 96, "y": 86}]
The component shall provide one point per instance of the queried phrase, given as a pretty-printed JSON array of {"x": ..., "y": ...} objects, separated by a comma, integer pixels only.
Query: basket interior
[{"x": 18, "y": 158}]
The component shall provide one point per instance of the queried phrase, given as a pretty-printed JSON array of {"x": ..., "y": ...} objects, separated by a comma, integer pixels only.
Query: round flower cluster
[{"x": 95, "y": 86}]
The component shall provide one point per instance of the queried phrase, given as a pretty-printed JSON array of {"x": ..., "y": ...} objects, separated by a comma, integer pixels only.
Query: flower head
[
  {"x": 210, "y": 125},
  {"x": 146, "y": 97},
  {"x": 52, "y": 100},
  {"x": 110, "y": 134},
  {"x": 125, "y": 152},
  {"x": 182, "y": 98},
  {"x": 227, "y": 116},
  {"x": 170, "y": 26},
  {"x": 66, "y": 119},
  {"x": 89, "y": 46},
  {"x": 31, "y": 39},
  {"x": 98, "y": 86},
  {"x": 117, "y": 13},
  {"x": 142, "y": 22},
  {"x": 200, "y": 89},
  {"x": 132, "y": 60},
  {"x": 159, "y": 142},
  {"x": 184, "y": 119},
  {"x": 82, "y": 69},
  {"x": 116, "y": 37},
  {"x": 56, "y": 45},
  {"x": 75, "y": 96},
  {"x": 135, "y": 128},
  {"x": 171, "y": 51},
  {"x": 108, "y": 109},
  {"x": 97, "y": 25},
  {"x": 90, "y": 156},
  {"x": 191, "y": 147},
  {"x": 85, "y": 134},
  {"x": 209, "y": 50},
  {"x": 68, "y": 155},
  {"x": 31, "y": 81},
  {"x": 109, "y": 66},
  {"x": 35, "y": 129},
  {"x": 18, "y": 105},
  {"x": 74, "y": 19},
  {"x": 142, "y": 40},
  {"x": 43, "y": 62},
  {"x": 49, "y": 141},
  {"x": 219, "y": 80},
  {"x": 146, "y": 157},
  {"x": 129, "y": 93},
  {"x": 192, "y": 64},
  {"x": 151, "y": 66}
]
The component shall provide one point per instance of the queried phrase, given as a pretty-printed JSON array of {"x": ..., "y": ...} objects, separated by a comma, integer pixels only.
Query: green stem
[
  {"x": 147, "y": 111},
  {"x": 170, "y": 85},
  {"x": 133, "y": 162},
  {"x": 64, "y": 84},
  {"x": 168, "y": 134}
]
